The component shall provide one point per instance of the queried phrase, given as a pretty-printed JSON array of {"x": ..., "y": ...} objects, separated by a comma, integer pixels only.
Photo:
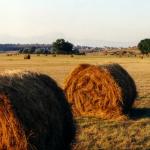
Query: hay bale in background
[
  {"x": 8, "y": 54},
  {"x": 106, "y": 91},
  {"x": 34, "y": 113},
  {"x": 27, "y": 56},
  {"x": 53, "y": 55}
]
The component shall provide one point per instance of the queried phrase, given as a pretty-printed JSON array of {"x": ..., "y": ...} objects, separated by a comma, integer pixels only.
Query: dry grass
[{"x": 93, "y": 133}]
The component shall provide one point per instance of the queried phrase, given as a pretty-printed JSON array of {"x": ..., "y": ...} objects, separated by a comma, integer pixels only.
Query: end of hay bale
[
  {"x": 12, "y": 134},
  {"x": 75, "y": 72}
]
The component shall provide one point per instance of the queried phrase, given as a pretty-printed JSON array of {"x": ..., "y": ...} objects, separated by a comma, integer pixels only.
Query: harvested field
[{"x": 94, "y": 133}]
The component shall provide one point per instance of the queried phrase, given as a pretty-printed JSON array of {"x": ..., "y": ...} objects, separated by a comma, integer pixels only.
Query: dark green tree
[
  {"x": 144, "y": 46},
  {"x": 60, "y": 46}
]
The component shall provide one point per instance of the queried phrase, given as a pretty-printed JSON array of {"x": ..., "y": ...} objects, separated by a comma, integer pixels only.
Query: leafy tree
[
  {"x": 144, "y": 46},
  {"x": 60, "y": 46}
]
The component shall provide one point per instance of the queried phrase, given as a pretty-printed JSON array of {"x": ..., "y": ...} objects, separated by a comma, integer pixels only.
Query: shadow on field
[{"x": 138, "y": 113}]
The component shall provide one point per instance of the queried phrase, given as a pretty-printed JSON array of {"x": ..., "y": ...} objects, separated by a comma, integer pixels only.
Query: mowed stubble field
[{"x": 93, "y": 133}]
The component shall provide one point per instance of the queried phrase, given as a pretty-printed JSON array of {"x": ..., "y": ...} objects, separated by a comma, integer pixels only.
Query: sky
[{"x": 82, "y": 22}]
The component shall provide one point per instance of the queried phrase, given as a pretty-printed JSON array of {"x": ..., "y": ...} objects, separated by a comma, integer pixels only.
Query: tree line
[
  {"x": 60, "y": 46},
  {"x": 17, "y": 47}
]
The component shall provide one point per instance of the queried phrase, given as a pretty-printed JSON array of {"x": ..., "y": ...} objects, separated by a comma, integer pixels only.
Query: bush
[
  {"x": 144, "y": 46},
  {"x": 60, "y": 46}
]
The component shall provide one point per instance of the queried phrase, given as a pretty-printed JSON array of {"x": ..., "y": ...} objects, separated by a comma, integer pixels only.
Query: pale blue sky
[{"x": 86, "y": 22}]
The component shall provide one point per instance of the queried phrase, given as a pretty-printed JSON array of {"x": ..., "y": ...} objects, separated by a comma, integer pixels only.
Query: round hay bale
[
  {"x": 34, "y": 113},
  {"x": 106, "y": 91},
  {"x": 54, "y": 55},
  {"x": 8, "y": 54},
  {"x": 27, "y": 56}
]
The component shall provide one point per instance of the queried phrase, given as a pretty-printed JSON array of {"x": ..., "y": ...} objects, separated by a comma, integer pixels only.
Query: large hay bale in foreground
[
  {"x": 34, "y": 113},
  {"x": 106, "y": 91}
]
